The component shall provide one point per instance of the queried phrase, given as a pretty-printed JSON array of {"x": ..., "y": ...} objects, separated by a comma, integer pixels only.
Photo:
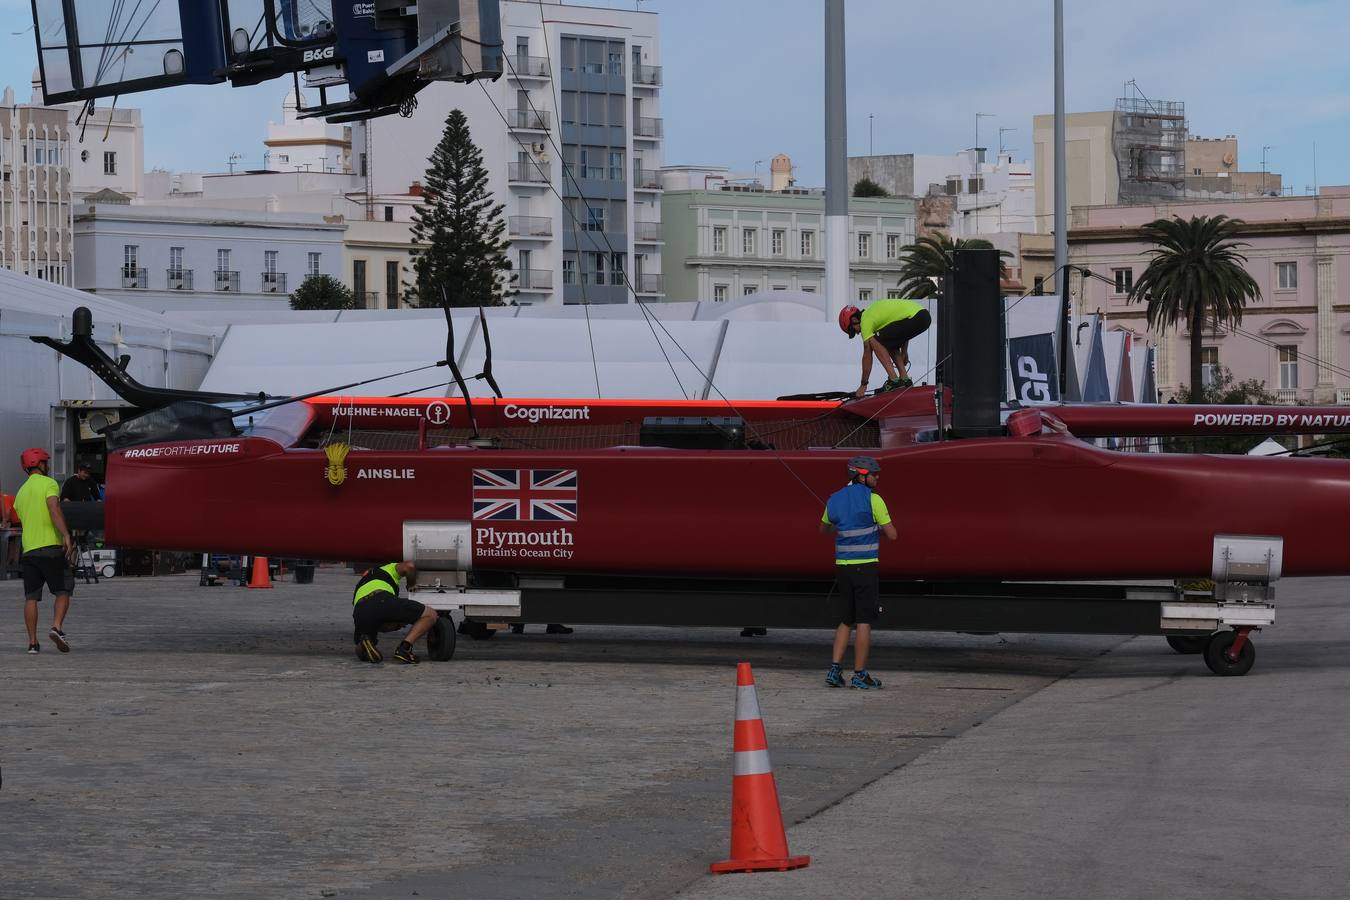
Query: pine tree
[
  {"x": 322, "y": 292},
  {"x": 459, "y": 255}
]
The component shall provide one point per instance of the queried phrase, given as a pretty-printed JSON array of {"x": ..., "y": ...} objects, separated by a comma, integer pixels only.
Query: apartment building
[{"x": 35, "y": 195}]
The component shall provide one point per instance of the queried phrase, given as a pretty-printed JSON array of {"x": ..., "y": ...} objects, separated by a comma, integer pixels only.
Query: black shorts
[
  {"x": 857, "y": 594},
  {"x": 46, "y": 565},
  {"x": 897, "y": 333},
  {"x": 376, "y": 611}
]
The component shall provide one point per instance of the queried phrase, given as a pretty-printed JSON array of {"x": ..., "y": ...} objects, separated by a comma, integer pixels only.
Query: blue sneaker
[
  {"x": 865, "y": 681},
  {"x": 834, "y": 677}
]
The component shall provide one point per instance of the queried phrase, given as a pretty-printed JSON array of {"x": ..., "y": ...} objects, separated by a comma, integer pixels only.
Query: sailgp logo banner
[
  {"x": 525, "y": 495},
  {"x": 1035, "y": 374}
]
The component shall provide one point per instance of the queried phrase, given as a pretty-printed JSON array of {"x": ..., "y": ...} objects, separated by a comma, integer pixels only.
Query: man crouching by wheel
[{"x": 376, "y": 607}]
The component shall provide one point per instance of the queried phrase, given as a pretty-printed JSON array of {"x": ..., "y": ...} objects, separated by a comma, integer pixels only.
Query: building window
[
  {"x": 270, "y": 262},
  {"x": 176, "y": 261},
  {"x": 808, "y": 289},
  {"x": 130, "y": 256},
  {"x": 719, "y": 293},
  {"x": 595, "y": 218},
  {"x": 616, "y": 275},
  {"x": 313, "y": 267},
  {"x": 389, "y": 214},
  {"x": 865, "y": 295},
  {"x": 777, "y": 239},
  {"x": 1288, "y": 368},
  {"x": 616, "y": 165},
  {"x": 109, "y": 162},
  {"x": 719, "y": 239},
  {"x": 748, "y": 241},
  {"x": 1287, "y": 275},
  {"x": 362, "y": 172},
  {"x": 222, "y": 260},
  {"x": 283, "y": 158},
  {"x": 895, "y": 294},
  {"x": 892, "y": 246},
  {"x": 1124, "y": 280},
  {"x": 569, "y": 271},
  {"x": 359, "y": 282},
  {"x": 1209, "y": 365},
  {"x": 1038, "y": 285},
  {"x": 750, "y": 289},
  {"x": 808, "y": 244},
  {"x": 864, "y": 245},
  {"x": 780, "y": 287}
]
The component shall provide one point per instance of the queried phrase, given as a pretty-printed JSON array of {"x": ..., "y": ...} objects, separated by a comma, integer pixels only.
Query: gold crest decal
[{"x": 337, "y": 455}]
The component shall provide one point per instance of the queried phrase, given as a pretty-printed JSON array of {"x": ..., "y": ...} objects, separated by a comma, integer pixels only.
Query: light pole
[
  {"x": 869, "y": 134},
  {"x": 1263, "y": 167},
  {"x": 979, "y": 178}
]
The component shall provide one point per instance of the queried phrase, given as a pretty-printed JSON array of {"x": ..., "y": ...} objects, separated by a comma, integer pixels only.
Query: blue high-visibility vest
[{"x": 857, "y": 537}]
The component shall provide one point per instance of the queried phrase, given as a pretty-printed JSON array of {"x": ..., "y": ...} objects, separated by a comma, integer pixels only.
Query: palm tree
[
  {"x": 1196, "y": 273},
  {"x": 927, "y": 258}
]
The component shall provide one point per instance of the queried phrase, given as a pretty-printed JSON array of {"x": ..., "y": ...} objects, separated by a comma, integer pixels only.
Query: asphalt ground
[{"x": 224, "y": 742}]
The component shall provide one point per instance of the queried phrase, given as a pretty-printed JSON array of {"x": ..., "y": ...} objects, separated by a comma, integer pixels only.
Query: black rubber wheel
[
  {"x": 1187, "y": 643},
  {"x": 441, "y": 640},
  {"x": 476, "y": 630},
  {"x": 1216, "y": 655}
]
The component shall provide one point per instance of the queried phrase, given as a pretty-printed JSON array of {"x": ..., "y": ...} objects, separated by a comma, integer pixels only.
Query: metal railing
[
  {"x": 646, "y": 179},
  {"x": 646, "y": 74},
  {"x": 179, "y": 279},
  {"x": 528, "y": 66},
  {"x": 648, "y": 284},
  {"x": 368, "y": 299},
  {"x": 648, "y": 231},
  {"x": 134, "y": 278},
  {"x": 529, "y": 226},
  {"x": 534, "y": 279},
  {"x": 528, "y": 119},
  {"x": 643, "y": 126},
  {"x": 227, "y": 280},
  {"x": 526, "y": 171},
  {"x": 274, "y": 282}
]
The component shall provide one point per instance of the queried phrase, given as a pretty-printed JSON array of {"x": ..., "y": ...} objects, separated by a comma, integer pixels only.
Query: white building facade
[
  {"x": 176, "y": 258},
  {"x": 572, "y": 138},
  {"x": 35, "y": 198}
]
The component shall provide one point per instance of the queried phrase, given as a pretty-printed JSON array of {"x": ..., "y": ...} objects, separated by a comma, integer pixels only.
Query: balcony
[
  {"x": 646, "y": 180},
  {"x": 528, "y": 119},
  {"x": 534, "y": 280},
  {"x": 648, "y": 232},
  {"x": 526, "y": 172},
  {"x": 1287, "y": 395},
  {"x": 646, "y": 127},
  {"x": 529, "y": 226},
  {"x": 134, "y": 278},
  {"x": 649, "y": 284},
  {"x": 526, "y": 67},
  {"x": 274, "y": 282},
  {"x": 179, "y": 279},
  {"x": 647, "y": 75},
  {"x": 227, "y": 281},
  {"x": 367, "y": 299}
]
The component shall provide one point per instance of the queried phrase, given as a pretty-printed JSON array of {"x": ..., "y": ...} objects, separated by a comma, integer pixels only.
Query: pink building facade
[{"x": 1295, "y": 339}]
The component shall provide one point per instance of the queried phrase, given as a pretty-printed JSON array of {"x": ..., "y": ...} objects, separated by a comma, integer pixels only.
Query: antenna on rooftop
[{"x": 234, "y": 158}]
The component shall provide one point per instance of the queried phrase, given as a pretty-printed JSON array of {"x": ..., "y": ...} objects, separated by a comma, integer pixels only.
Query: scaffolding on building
[{"x": 1149, "y": 139}]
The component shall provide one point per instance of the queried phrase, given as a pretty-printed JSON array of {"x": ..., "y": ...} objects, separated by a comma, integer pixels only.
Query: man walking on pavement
[
  {"x": 857, "y": 516},
  {"x": 887, "y": 327},
  {"x": 47, "y": 548},
  {"x": 376, "y": 607}
]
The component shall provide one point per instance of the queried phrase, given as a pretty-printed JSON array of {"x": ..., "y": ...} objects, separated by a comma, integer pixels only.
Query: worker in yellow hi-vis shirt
[
  {"x": 47, "y": 548},
  {"x": 887, "y": 327}
]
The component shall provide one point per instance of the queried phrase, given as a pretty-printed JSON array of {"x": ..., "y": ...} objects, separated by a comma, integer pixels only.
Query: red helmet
[
  {"x": 30, "y": 458},
  {"x": 845, "y": 315}
]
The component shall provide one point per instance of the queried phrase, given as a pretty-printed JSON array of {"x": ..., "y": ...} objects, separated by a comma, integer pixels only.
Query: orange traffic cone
[
  {"x": 260, "y": 577},
  {"x": 758, "y": 842}
]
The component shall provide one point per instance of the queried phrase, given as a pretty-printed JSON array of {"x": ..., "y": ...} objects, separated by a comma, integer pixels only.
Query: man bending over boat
[
  {"x": 887, "y": 327},
  {"x": 376, "y": 607},
  {"x": 857, "y": 516}
]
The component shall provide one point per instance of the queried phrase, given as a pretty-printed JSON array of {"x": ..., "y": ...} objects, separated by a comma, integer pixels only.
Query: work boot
[{"x": 405, "y": 654}]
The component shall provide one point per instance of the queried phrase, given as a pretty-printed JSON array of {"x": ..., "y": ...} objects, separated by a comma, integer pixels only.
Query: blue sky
[{"x": 743, "y": 79}]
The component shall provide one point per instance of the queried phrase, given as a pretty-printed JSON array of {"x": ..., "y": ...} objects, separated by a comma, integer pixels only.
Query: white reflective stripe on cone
[
  {"x": 747, "y": 704},
  {"x": 752, "y": 762}
]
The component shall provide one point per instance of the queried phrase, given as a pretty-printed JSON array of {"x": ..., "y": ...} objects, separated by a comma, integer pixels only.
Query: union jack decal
[{"x": 525, "y": 495}]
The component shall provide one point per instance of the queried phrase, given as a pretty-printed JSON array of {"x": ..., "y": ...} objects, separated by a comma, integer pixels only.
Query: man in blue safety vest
[
  {"x": 376, "y": 606},
  {"x": 858, "y": 516}
]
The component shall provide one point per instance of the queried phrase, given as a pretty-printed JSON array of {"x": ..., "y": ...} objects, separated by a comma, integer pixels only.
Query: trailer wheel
[
  {"x": 1186, "y": 643},
  {"x": 1216, "y": 655},
  {"x": 441, "y": 640},
  {"x": 476, "y": 630}
]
